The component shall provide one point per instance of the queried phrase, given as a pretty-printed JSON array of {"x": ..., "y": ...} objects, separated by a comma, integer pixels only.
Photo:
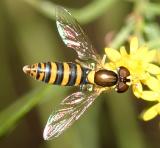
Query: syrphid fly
[{"x": 87, "y": 72}]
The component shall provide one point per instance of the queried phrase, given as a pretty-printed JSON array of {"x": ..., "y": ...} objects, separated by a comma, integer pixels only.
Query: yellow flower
[
  {"x": 154, "y": 110},
  {"x": 142, "y": 72}
]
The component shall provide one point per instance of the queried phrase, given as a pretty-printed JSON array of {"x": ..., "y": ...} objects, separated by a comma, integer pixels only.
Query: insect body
[
  {"x": 81, "y": 74},
  {"x": 66, "y": 74},
  {"x": 70, "y": 74}
]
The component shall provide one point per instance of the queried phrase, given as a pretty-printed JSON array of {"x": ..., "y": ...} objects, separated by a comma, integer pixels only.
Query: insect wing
[
  {"x": 73, "y": 35},
  {"x": 70, "y": 109}
]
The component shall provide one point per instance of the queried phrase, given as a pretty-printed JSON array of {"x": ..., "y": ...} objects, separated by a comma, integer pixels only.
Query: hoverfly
[{"x": 92, "y": 77}]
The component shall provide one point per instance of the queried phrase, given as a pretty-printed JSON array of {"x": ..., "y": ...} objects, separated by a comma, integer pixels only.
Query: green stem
[
  {"x": 84, "y": 15},
  {"x": 93, "y": 10},
  {"x": 22, "y": 106}
]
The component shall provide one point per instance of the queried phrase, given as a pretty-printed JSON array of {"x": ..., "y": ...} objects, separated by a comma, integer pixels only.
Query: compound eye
[
  {"x": 123, "y": 72},
  {"x": 121, "y": 87}
]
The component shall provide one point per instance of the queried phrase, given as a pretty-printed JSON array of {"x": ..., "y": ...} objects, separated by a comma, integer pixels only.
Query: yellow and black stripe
[{"x": 61, "y": 73}]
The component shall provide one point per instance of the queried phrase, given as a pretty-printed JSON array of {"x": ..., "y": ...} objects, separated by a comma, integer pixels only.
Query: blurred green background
[{"x": 28, "y": 35}]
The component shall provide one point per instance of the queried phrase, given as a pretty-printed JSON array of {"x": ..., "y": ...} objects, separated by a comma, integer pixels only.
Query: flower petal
[
  {"x": 157, "y": 57},
  {"x": 112, "y": 54},
  {"x": 141, "y": 53},
  {"x": 123, "y": 51},
  {"x": 150, "y": 96},
  {"x": 133, "y": 44},
  {"x": 150, "y": 56},
  {"x": 110, "y": 66},
  {"x": 158, "y": 77},
  {"x": 137, "y": 89},
  {"x": 153, "y": 69},
  {"x": 152, "y": 83},
  {"x": 143, "y": 49},
  {"x": 150, "y": 113}
]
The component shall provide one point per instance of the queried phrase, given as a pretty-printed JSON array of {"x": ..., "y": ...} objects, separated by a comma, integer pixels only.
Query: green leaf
[{"x": 10, "y": 116}]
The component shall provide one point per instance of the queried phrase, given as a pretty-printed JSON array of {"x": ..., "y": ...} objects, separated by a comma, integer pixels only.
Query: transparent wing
[
  {"x": 73, "y": 35},
  {"x": 70, "y": 109}
]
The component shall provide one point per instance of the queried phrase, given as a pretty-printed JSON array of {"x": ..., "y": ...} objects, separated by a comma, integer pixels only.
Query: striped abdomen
[{"x": 68, "y": 74}]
